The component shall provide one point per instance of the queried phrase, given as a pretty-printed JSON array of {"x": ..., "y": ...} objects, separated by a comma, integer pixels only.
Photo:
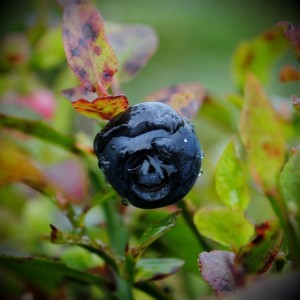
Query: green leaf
[
  {"x": 231, "y": 178},
  {"x": 289, "y": 183},
  {"x": 48, "y": 52},
  {"x": 156, "y": 268},
  {"x": 225, "y": 226},
  {"x": 88, "y": 52},
  {"x": 97, "y": 247},
  {"x": 258, "y": 256},
  {"x": 262, "y": 135},
  {"x": 185, "y": 98},
  {"x": 154, "y": 232},
  {"x": 258, "y": 55},
  {"x": 133, "y": 45},
  {"x": 47, "y": 274}
]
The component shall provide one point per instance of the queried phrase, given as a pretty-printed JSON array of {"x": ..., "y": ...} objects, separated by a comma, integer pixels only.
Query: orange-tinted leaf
[
  {"x": 133, "y": 45},
  {"x": 262, "y": 134},
  {"x": 185, "y": 98},
  {"x": 105, "y": 107},
  {"x": 87, "y": 49},
  {"x": 289, "y": 73},
  {"x": 292, "y": 33},
  {"x": 16, "y": 166}
]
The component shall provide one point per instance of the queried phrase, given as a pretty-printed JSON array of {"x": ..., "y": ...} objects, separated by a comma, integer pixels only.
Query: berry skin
[{"x": 149, "y": 154}]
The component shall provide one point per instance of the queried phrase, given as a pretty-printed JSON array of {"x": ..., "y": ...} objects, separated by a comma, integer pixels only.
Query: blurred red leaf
[
  {"x": 70, "y": 178},
  {"x": 217, "y": 268},
  {"x": 87, "y": 49},
  {"x": 289, "y": 73},
  {"x": 185, "y": 98},
  {"x": 105, "y": 107},
  {"x": 292, "y": 33},
  {"x": 133, "y": 45}
]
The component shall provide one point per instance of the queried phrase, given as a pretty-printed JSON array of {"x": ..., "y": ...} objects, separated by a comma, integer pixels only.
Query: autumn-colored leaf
[
  {"x": 257, "y": 56},
  {"x": 262, "y": 135},
  {"x": 292, "y": 33},
  {"x": 185, "y": 98},
  {"x": 101, "y": 108},
  {"x": 17, "y": 166},
  {"x": 289, "y": 73},
  {"x": 231, "y": 178},
  {"x": 257, "y": 256},
  {"x": 88, "y": 52},
  {"x": 218, "y": 269},
  {"x": 133, "y": 45}
]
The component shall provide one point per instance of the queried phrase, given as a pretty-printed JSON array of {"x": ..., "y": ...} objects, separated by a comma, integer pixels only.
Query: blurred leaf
[
  {"x": 154, "y": 232},
  {"x": 262, "y": 135},
  {"x": 292, "y": 33},
  {"x": 289, "y": 73},
  {"x": 217, "y": 268},
  {"x": 156, "y": 268},
  {"x": 289, "y": 183},
  {"x": 88, "y": 52},
  {"x": 133, "y": 45},
  {"x": 17, "y": 166},
  {"x": 219, "y": 113},
  {"x": 46, "y": 273},
  {"x": 258, "y": 55},
  {"x": 258, "y": 256},
  {"x": 40, "y": 130},
  {"x": 14, "y": 51},
  {"x": 296, "y": 103},
  {"x": 225, "y": 226},
  {"x": 185, "y": 98},
  {"x": 105, "y": 107},
  {"x": 79, "y": 92},
  {"x": 94, "y": 246},
  {"x": 231, "y": 178},
  {"x": 70, "y": 178},
  {"x": 49, "y": 51}
]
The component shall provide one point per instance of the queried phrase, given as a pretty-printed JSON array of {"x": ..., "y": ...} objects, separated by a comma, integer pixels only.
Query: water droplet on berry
[
  {"x": 185, "y": 140},
  {"x": 113, "y": 147},
  {"x": 200, "y": 173}
]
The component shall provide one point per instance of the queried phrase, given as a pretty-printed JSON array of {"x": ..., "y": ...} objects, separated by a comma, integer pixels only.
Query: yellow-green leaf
[
  {"x": 225, "y": 226},
  {"x": 262, "y": 135},
  {"x": 231, "y": 178}
]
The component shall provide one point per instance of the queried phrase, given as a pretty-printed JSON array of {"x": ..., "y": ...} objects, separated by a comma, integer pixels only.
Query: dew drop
[
  {"x": 200, "y": 173},
  {"x": 113, "y": 147},
  {"x": 202, "y": 154},
  {"x": 185, "y": 140}
]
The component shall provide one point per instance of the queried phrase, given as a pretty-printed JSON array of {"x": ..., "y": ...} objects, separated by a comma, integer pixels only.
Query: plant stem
[
  {"x": 188, "y": 217},
  {"x": 292, "y": 240}
]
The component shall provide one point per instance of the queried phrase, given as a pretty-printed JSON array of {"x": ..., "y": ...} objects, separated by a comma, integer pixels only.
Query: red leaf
[
  {"x": 78, "y": 92},
  {"x": 105, "y": 107},
  {"x": 289, "y": 73},
  {"x": 292, "y": 33},
  {"x": 87, "y": 49},
  {"x": 217, "y": 268},
  {"x": 185, "y": 98}
]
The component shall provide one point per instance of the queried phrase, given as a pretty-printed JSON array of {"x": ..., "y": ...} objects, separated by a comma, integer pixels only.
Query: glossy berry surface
[{"x": 149, "y": 154}]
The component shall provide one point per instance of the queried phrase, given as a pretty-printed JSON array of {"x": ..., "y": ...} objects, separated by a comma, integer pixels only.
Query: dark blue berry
[{"x": 149, "y": 154}]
